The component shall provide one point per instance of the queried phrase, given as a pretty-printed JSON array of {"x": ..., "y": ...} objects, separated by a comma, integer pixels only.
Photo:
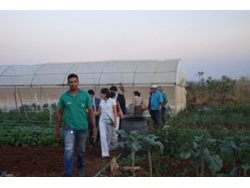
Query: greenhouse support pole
[
  {"x": 50, "y": 110},
  {"x": 41, "y": 94},
  {"x": 31, "y": 99},
  {"x": 8, "y": 107},
  {"x": 22, "y": 103},
  {"x": 175, "y": 99},
  {"x": 36, "y": 103},
  {"x": 14, "y": 93}
]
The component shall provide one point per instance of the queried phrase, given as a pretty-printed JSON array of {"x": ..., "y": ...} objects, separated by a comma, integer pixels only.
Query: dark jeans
[
  {"x": 155, "y": 115},
  {"x": 163, "y": 116},
  {"x": 71, "y": 136}
]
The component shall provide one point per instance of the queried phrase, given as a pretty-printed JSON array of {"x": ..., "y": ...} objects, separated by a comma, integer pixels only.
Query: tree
[{"x": 200, "y": 76}]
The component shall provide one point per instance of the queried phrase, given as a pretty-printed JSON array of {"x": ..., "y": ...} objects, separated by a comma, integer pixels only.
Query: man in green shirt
[
  {"x": 72, "y": 108},
  {"x": 164, "y": 105}
]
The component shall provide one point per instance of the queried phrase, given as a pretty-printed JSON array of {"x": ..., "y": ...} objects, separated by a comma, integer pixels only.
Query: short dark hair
[
  {"x": 137, "y": 93},
  {"x": 113, "y": 88},
  {"x": 111, "y": 94},
  {"x": 72, "y": 76},
  {"x": 105, "y": 91},
  {"x": 91, "y": 92}
]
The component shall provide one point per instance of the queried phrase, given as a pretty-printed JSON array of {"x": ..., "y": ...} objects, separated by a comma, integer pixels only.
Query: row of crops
[
  {"x": 207, "y": 141},
  {"x": 212, "y": 140},
  {"x": 32, "y": 129},
  {"x": 31, "y": 135}
]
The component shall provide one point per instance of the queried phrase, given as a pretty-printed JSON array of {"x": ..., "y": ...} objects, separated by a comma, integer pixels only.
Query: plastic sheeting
[{"x": 129, "y": 73}]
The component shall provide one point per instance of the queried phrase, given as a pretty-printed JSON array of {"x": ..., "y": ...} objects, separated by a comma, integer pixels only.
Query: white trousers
[{"x": 107, "y": 137}]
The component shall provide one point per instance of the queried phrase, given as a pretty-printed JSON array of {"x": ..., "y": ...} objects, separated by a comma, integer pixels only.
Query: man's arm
[
  {"x": 93, "y": 123},
  {"x": 165, "y": 99},
  {"x": 58, "y": 123},
  {"x": 115, "y": 114}
]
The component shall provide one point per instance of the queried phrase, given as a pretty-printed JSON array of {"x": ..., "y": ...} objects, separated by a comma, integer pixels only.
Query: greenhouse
[{"x": 42, "y": 84}]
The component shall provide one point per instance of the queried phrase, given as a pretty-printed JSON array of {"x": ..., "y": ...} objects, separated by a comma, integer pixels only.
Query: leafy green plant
[
  {"x": 236, "y": 150},
  {"x": 28, "y": 136},
  {"x": 135, "y": 141},
  {"x": 200, "y": 151},
  {"x": 151, "y": 141},
  {"x": 132, "y": 141}
]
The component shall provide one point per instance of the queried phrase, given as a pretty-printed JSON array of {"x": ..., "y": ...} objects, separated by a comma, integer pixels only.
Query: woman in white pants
[{"x": 107, "y": 122}]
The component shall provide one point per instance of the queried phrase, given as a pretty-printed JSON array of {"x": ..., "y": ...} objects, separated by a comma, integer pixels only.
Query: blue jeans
[{"x": 71, "y": 136}]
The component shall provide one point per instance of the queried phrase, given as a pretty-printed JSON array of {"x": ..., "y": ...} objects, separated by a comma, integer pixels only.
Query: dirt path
[{"x": 45, "y": 161}]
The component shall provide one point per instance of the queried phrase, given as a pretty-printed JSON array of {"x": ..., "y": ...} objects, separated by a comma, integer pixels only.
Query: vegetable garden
[{"x": 206, "y": 139}]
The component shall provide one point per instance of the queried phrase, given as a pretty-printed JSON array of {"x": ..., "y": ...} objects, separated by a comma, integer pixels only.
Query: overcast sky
[{"x": 216, "y": 42}]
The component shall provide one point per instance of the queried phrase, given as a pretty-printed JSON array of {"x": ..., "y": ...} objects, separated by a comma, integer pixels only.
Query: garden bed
[{"x": 45, "y": 161}]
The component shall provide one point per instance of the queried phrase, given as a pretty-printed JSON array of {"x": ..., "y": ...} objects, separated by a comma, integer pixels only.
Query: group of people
[
  {"x": 81, "y": 113},
  {"x": 111, "y": 108},
  {"x": 157, "y": 105}
]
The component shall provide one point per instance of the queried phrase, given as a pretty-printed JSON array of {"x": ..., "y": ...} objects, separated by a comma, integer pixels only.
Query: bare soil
[{"x": 46, "y": 161}]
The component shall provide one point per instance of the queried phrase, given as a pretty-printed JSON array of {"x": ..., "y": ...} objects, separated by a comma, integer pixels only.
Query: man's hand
[
  {"x": 92, "y": 120},
  {"x": 57, "y": 135},
  {"x": 94, "y": 135}
]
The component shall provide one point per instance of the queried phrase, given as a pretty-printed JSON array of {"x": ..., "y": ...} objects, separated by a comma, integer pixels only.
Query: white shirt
[{"x": 107, "y": 110}]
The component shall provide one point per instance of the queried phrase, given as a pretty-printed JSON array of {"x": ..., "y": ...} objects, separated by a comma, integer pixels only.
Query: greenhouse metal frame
[{"x": 131, "y": 74}]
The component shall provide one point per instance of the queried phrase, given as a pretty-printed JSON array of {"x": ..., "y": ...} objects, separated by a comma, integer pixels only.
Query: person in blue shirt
[{"x": 156, "y": 102}]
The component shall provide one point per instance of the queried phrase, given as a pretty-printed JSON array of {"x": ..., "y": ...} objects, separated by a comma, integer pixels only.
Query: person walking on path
[
  {"x": 155, "y": 106},
  {"x": 72, "y": 108},
  {"x": 107, "y": 122}
]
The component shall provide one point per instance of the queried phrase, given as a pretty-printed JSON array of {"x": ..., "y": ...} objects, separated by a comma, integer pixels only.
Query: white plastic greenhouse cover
[{"x": 127, "y": 72}]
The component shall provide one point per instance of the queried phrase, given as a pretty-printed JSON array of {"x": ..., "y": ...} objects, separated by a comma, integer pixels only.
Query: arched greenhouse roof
[{"x": 127, "y": 72}]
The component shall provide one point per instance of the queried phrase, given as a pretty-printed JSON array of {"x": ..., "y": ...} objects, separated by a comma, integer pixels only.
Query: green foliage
[
  {"x": 28, "y": 136},
  {"x": 135, "y": 141},
  {"x": 236, "y": 149},
  {"x": 201, "y": 150},
  {"x": 174, "y": 137},
  {"x": 218, "y": 91},
  {"x": 131, "y": 140},
  {"x": 226, "y": 116},
  {"x": 151, "y": 141},
  {"x": 33, "y": 118}
]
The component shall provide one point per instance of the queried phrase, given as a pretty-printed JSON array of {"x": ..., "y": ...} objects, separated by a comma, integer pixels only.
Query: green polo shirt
[
  {"x": 165, "y": 99},
  {"x": 74, "y": 108}
]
